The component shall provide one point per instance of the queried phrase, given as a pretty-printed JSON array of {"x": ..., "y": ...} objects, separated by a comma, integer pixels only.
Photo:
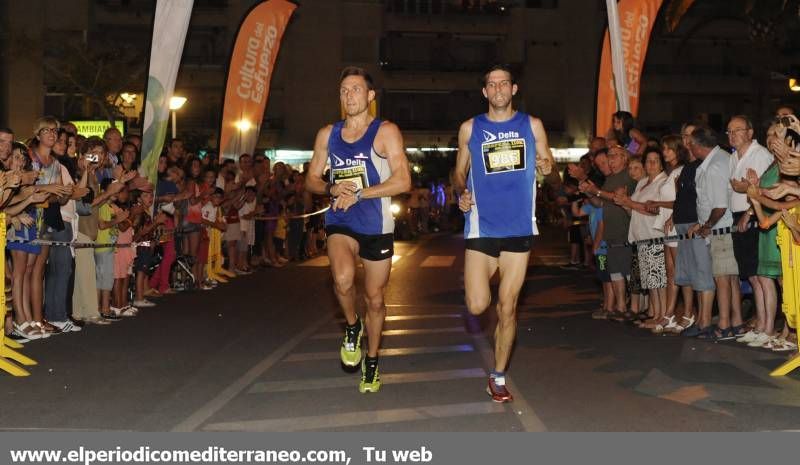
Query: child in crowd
[
  {"x": 279, "y": 237},
  {"x": 123, "y": 256},
  {"x": 159, "y": 282},
  {"x": 247, "y": 232},
  {"x": 592, "y": 208},
  {"x": 214, "y": 226}
]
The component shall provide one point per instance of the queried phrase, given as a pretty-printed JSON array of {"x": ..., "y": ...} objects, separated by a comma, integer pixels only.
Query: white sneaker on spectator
[
  {"x": 143, "y": 303},
  {"x": 66, "y": 326},
  {"x": 747, "y": 337},
  {"x": 759, "y": 340}
]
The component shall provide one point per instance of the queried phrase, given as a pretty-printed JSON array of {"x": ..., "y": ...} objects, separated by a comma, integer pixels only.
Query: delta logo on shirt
[{"x": 489, "y": 137}]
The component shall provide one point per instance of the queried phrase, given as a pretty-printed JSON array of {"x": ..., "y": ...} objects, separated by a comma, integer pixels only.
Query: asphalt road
[{"x": 261, "y": 354}]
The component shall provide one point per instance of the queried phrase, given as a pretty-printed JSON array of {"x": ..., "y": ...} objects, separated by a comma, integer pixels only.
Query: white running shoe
[
  {"x": 143, "y": 303},
  {"x": 66, "y": 326}
]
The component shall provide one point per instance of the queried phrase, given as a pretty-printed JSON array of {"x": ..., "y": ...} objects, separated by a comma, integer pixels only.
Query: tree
[{"x": 99, "y": 71}]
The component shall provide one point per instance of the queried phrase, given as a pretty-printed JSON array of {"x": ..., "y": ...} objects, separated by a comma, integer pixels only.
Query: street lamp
[
  {"x": 175, "y": 103},
  {"x": 794, "y": 84}
]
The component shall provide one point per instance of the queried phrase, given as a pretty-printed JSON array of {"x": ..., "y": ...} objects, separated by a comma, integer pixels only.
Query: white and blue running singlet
[
  {"x": 358, "y": 162},
  {"x": 502, "y": 178}
]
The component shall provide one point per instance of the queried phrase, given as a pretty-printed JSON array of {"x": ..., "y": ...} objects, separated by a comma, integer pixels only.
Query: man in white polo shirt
[
  {"x": 712, "y": 182},
  {"x": 748, "y": 155}
]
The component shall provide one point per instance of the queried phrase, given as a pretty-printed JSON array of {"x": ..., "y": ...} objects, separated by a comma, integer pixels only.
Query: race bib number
[
  {"x": 503, "y": 156},
  {"x": 355, "y": 174}
]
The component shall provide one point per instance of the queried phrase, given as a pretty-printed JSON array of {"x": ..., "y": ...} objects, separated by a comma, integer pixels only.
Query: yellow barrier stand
[
  {"x": 790, "y": 266},
  {"x": 7, "y": 346}
]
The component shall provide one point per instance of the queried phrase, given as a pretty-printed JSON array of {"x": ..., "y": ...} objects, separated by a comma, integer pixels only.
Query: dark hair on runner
[
  {"x": 356, "y": 71},
  {"x": 5, "y": 130},
  {"x": 704, "y": 136},
  {"x": 218, "y": 191},
  {"x": 498, "y": 67}
]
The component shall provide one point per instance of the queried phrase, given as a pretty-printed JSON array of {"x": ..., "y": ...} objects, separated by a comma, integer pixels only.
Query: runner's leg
[
  {"x": 478, "y": 270},
  {"x": 513, "y": 266},
  {"x": 376, "y": 276}
]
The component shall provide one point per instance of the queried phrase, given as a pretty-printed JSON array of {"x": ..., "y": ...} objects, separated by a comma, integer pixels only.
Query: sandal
[
  {"x": 109, "y": 316},
  {"x": 739, "y": 330},
  {"x": 666, "y": 323},
  {"x": 695, "y": 331},
  {"x": 725, "y": 334},
  {"x": 46, "y": 327},
  {"x": 686, "y": 323},
  {"x": 128, "y": 311}
]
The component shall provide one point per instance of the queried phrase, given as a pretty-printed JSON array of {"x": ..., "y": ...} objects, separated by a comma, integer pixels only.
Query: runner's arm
[
  {"x": 545, "y": 162},
  {"x": 389, "y": 144},
  {"x": 463, "y": 158}
]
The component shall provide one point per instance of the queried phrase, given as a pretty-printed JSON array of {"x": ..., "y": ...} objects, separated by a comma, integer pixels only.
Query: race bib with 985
[
  {"x": 355, "y": 174},
  {"x": 502, "y": 156}
]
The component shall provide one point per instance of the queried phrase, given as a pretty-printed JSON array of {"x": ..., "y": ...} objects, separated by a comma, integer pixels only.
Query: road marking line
[
  {"x": 338, "y": 420},
  {"x": 402, "y": 351},
  {"x": 348, "y": 381},
  {"x": 438, "y": 261},
  {"x": 551, "y": 315},
  {"x": 430, "y": 316},
  {"x": 205, "y": 412},
  {"x": 398, "y": 332}
]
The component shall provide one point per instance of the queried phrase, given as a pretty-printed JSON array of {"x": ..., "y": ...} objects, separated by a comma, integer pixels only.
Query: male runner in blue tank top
[
  {"x": 368, "y": 165},
  {"x": 498, "y": 154}
]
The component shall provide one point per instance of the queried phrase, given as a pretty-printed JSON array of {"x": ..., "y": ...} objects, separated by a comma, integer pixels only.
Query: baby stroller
[{"x": 181, "y": 277}]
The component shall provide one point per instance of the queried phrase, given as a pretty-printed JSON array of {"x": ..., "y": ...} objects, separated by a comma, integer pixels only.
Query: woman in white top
[
  {"x": 643, "y": 226},
  {"x": 675, "y": 156}
]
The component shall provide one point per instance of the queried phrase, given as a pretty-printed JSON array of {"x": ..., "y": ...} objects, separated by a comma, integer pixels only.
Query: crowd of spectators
[
  {"x": 680, "y": 230},
  {"x": 89, "y": 240}
]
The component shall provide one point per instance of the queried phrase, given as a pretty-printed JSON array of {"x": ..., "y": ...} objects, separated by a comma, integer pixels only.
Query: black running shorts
[
  {"x": 492, "y": 246},
  {"x": 373, "y": 247}
]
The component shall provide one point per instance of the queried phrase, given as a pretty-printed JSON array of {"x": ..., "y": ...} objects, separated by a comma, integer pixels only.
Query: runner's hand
[
  {"x": 343, "y": 188},
  {"x": 344, "y": 202},
  {"x": 465, "y": 202}
]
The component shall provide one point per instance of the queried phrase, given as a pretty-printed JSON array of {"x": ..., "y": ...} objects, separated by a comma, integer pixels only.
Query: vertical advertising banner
[
  {"x": 249, "y": 75},
  {"x": 636, "y": 18},
  {"x": 169, "y": 33}
]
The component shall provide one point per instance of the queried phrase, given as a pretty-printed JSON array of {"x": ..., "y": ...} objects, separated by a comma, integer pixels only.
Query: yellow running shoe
[
  {"x": 370, "y": 378},
  {"x": 351, "y": 345}
]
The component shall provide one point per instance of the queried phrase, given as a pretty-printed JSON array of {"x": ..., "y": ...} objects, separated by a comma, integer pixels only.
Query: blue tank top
[
  {"x": 358, "y": 162},
  {"x": 502, "y": 178}
]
